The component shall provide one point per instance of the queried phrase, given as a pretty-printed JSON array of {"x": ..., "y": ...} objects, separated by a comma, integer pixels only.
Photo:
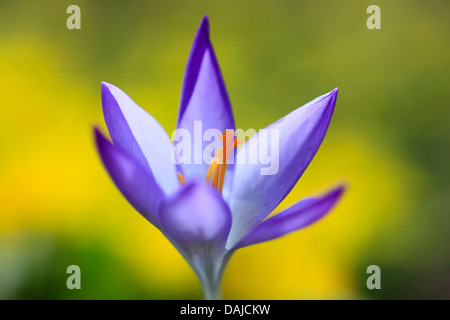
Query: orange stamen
[
  {"x": 209, "y": 173},
  {"x": 216, "y": 172},
  {"x": 181, "y": 179},
  {"x": 215, "y": 178}
]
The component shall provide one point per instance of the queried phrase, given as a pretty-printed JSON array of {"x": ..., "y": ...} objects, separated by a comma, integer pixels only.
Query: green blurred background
[{"x": 389, "y": 139}]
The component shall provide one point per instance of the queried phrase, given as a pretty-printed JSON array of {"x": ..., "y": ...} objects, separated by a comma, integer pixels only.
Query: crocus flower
[{"x": 208, "y": 211}]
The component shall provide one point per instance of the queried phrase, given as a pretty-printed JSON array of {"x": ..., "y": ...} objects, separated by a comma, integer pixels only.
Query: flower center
[{"x": 216, "y": 172}]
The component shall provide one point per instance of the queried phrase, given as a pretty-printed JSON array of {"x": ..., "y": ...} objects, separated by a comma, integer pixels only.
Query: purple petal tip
[
  {"x": 334, "y": 92},
  {"x": 339, "y": 190},
  {"x": 203, "y": 29},
  {"x": 100, "y": 139},
  {"x": 106, "y": 87},
  {"x": 204, "y": 25},
  {"x": 105, "y": 90}
]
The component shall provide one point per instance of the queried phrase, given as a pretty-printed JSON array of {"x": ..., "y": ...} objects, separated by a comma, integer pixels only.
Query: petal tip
[
  {"x": 340, "y": 189},
  {"x": 107, "y": 87},
  {"x": 109, "y": 94},
  {"x": 330, "y": 98},
  {"x": 203, "y": 30},
  {"x": 333, "y": 93},
  {"x": 336, "y": 194},
  {"x": 204, "y": 25},
  {"x": 100, "y": 139},
  {"x": 97, "y": 133}
]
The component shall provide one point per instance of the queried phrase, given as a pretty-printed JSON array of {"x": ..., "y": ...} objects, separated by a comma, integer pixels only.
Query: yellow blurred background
[{"x": 389, "y": 140}]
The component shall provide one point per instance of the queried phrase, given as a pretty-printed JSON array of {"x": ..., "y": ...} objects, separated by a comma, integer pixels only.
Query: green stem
[
  {"x": 211, "y": 290},
  {"x": 211, "y": 281}
]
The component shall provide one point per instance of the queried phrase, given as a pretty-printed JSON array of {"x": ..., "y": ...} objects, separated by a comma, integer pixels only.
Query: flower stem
[
  {"x": 211, "y": 290},
  {"x": 211, "y": 280}
]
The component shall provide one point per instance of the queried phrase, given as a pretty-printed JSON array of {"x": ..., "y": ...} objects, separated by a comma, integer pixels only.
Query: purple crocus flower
[{"x": 207, "y": 214}]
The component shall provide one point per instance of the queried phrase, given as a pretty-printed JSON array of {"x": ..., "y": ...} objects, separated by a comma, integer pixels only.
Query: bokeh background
[{"x": 389, "y": 140}]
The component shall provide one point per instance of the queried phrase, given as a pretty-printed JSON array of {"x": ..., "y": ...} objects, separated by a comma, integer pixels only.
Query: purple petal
[
  {"x": 196, "y": 217},
  {"x": 136, "y": 132},
  {"x": 204, "y": 100},
  {"x": 296, "y": 217},
  {"x": 136, "y": 184},
  {"x": 254, "y": 195}
]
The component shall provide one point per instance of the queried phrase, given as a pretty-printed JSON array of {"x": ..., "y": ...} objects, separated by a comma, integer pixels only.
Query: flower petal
[
  {"x": 135, "y": 131},
  {"x": 196, "y": 218},
  {"x": 300, "y": 215},
  {"x": 204, "y": 101},
  {"x": 136, "y": 184},
  {"x": 300, "y": 134}
]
